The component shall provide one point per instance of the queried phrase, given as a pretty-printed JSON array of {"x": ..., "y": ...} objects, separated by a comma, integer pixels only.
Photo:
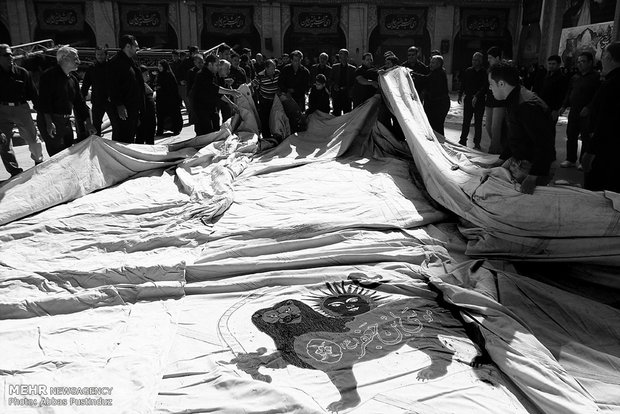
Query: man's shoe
[
  {"x": 463, "y": 142},
  {"x": 567, "y": 164}
]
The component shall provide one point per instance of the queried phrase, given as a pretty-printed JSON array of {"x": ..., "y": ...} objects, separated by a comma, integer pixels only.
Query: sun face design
[{"x": 345, "y": 300}]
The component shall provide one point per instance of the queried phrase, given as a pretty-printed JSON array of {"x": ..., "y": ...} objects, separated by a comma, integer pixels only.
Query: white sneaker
[{"x": 567, "y": 164}]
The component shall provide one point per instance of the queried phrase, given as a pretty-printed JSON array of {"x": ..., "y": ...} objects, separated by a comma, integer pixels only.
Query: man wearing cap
[
  {"x": 16, "y": 88},
  {"x": 59, "y": 96},
  {"x": 341, "y": 84}
]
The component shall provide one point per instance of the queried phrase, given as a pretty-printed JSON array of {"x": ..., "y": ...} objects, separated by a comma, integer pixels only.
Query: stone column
[
  {"x": 443, "y": 29},
  {"x": 105, "y": 23},
  {"x": 551, "y": 27},
  {"x": 616, "y": 34},
  {"x": 22, "y": 29},
  {"x": 357, "y": 36},
  {"x": 188, "y": 24}
]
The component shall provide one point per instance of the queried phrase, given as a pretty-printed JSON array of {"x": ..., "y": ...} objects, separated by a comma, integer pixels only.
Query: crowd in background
[{"x": 143, "y": 103}]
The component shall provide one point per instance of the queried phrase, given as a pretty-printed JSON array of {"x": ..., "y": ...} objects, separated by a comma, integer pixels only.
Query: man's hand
[
  {"x": 51, "y": 129},
  {"x": 474, "y": 100},
  {"x": 555, "y": 114},
  {"x": 90, "y": 128},
  {"x": 584, "y": 112},
  {"x": 586, "y": 162},
  {"x": 562, "y": 109},
  {"x": 122, "y": 112},
  {"x": 529, "y": 184},
  {"x": 459, "y": 100}
]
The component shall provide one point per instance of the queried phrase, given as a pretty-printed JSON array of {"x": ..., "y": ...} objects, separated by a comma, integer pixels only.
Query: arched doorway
[
  {"x": 156, "y": 40},
  {"x": 480, "y": 30},
  {"x": 397, "y": 30},
  {"x": 313, "y": 44},
  {"x": 231, "y": 25},
  {"x": 64, "y": 23},
  {"x": 236, "y": 41},
  {"x": 314, "y": 30},
  {"x": 85, "y": 38},
  {"x": 5, "y": 36}
]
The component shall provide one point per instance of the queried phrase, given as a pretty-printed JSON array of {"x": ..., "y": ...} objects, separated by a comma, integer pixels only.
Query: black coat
[{"x": 125, "y": 83}]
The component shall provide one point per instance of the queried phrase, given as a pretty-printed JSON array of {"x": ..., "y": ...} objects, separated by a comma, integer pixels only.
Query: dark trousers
[
  {"x": 97, "y": 111},
  {"x": 605, "y": 173},
  {"x": 264, "y": 111},
  {"x": 477, "y": 113},
  {"x": 577, "y": 125},
  {"x": 436, "y": 112},
  {"x": 124, "y": 130},
  {"x": 80, "y": 130},
  {"x": 206, "y": 120},
  {"x": 145, "y": 133},
  {"x": 341, "y": 102},
  {"x": 64, "y": 133}
]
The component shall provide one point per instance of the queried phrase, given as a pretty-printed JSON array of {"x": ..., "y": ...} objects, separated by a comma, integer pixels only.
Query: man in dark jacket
[
  {"x": 554, "y": 86},
  {"x": 96, "y": 78},
  {"x": 413, "y": 61},
  {"x": 126, "y": 91},
  {"x": 206, "y": 95},
  {"x": 581, "y": 90},
  {"x": 341, "y": 82},
  {"x": 59, "y": 96},
  {"x": 16, "y": 89},
  {"x": 600, "y": 160},
  {"x": 473, "y": 87},
  {"x": 530, "y": 149},
  {"x": 295, "y": 79}
]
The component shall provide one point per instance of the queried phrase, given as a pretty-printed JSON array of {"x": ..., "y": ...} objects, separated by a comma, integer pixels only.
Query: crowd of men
[
  {"x": 520, "y": 122},
  {"x": 521, "y": 116}
]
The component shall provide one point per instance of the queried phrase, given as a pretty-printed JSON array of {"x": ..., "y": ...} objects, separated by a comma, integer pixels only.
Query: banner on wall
[
  {"x": 483, "y": 22},
  {"x": 228, "y": 20},
  {"x": 60, "y": 16},
  {"x": 315, "y": 19},
  {"x": 592, "y": 38},
  {"x": 532, "y": 10},
  {"x": 402, "y": 21},
  {"x": 144, "y": 18}
]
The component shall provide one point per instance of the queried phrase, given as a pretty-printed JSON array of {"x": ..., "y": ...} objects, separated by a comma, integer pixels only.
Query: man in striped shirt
[{"x": 267, "y": 84}]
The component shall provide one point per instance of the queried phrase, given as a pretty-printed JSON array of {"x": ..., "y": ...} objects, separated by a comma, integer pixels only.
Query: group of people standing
[
  {"x": 117, "y": 86},
  {"x": 522, "y": 123}
]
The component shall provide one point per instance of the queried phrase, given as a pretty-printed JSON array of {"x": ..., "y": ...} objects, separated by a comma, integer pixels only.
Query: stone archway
[{"x": 313, "y": 44}]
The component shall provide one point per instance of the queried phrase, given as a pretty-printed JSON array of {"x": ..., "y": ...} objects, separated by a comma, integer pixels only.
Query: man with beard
[{"x": 126, "y": 89}]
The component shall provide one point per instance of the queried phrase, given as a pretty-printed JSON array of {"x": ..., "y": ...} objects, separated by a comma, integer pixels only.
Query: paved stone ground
[{"x": 562, "y": 176}]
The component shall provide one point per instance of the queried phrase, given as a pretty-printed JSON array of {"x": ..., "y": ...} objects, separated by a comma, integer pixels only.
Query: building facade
[{"x": 527, "y": 30}]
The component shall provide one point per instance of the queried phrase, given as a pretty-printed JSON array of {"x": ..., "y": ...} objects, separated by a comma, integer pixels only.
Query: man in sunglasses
[{"x": 16, "y": 89}]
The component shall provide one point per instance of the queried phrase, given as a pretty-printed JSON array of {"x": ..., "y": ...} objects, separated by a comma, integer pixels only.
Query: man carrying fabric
[
  {"x": 206, "y": 95},
  {"x": 16, "y": 88},
  {"x": 59, "y": 96},
  {"x": 295, "y": 80},
  {"x": 531, "y": 146}
]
